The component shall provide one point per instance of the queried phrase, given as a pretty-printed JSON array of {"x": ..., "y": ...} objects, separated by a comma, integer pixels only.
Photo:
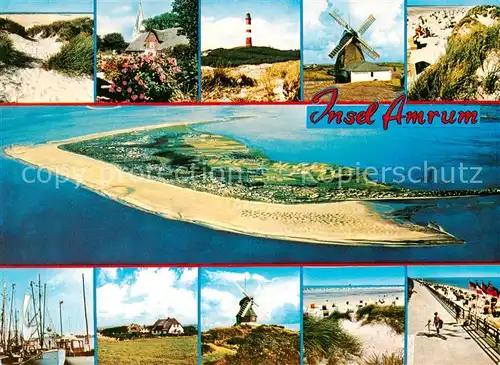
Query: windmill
[
  {"x": 246, "y": 314},
  {"x": 352, "y": 47}
]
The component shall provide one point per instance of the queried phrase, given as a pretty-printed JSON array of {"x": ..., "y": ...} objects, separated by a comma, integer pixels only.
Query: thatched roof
[
  {"x": 167, "y": 37},
  {"x": 364, "y": 66},
  {"x": 165, "y": 324}
]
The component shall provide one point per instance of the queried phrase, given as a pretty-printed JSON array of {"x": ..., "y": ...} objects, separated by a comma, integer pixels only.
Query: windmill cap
[{"x": 248, "y": 14}]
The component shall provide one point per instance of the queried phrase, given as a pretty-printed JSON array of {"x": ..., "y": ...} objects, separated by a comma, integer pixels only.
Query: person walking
[
  {"x": 438, "y": 323},
  {"x": 458, "y": 312}
]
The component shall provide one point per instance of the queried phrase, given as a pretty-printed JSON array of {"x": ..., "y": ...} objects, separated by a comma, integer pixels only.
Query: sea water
[{"x": 52, "y": 222}]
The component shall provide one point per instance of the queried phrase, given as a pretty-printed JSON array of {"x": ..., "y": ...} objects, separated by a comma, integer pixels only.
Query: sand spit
[{"x": 350, "y": 222}]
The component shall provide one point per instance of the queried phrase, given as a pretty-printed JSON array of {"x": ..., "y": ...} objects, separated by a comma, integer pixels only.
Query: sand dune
[
  {"x": 349, "y": 222},
  {"x": 33, "y": 83}
]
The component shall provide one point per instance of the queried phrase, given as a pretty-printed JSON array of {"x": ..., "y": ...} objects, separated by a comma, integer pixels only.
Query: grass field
[
  {"x": 319, "y": 78},
  {"x": 154, "y": 351}
]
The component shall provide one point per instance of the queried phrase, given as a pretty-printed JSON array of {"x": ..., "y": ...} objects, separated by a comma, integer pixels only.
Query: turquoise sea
[{"x": 52, "y": 222}]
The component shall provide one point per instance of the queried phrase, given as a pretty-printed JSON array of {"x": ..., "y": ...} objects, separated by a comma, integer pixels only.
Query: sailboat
[{"x": 78, "y": 352}]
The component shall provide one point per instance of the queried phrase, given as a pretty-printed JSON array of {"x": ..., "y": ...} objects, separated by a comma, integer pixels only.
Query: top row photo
[{"x": 246, "y": 51}]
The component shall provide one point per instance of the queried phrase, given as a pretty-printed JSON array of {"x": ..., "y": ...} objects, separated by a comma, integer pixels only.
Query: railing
[{"x": 481, "y": 326}]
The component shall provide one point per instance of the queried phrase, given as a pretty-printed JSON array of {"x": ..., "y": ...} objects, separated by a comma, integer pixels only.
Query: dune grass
[
  {"x": 75, "y": 58},
  {"x": 9, "y": 56},
  {"x": 395, "y": 358},
  {"x": 155, "y": 351},
  {"x": 454, "y": 77},
  {"x": 325, "y": 339},
  {"x": 393, "y": 316},
  {"x": 11, "y": 26},
  {"x": 223, "y": 57},
  {"x": 65, "y": 30}
]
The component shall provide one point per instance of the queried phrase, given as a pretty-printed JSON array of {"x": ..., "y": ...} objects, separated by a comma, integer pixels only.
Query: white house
[
  {"x": 367, "y": 71},
  {"x": 168, "y": 326}
]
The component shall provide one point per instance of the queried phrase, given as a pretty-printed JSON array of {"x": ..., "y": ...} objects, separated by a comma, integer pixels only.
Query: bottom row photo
[{"x": 371, "y": 315}]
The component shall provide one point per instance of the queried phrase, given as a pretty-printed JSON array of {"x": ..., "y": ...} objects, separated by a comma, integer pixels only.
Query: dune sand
[
  {"x": 375, "y": 338},
  {"x": 34, "y": 84},
  {"x": 350, "y": 222}
]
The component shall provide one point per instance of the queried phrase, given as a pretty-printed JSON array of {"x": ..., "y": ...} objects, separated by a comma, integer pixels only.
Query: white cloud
[
  {"x": 189, "y": 276},
  {"x": 122, "y": 24},
  {"x": 230, "y": 32},
  {"x": 106, "y": 274},
  {"x": 277, "y": 298},
  {"x": 150, "y": 294},
  {"x": 312, "y": 11}
]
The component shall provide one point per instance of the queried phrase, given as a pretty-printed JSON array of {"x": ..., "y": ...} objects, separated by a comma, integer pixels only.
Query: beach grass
[
  {"x": 155, "y": 351},
  {"x": 325, "y": 339},
  {"x": 65, "y": 30},
  {"x": 455, "y": 75},
  {"x": 9, "y": 56},
  {"x": 393, "y": 316},
  {"x": 11, "y": 26},
  {"x": 75, "y": 58},
  {"x": 395, "y": 358}
]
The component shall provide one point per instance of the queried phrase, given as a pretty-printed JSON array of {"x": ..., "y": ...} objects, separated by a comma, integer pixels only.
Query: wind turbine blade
[
  {"x": 367, "y": 49},
  {"x": 339, "y": 20},
  {"x": 241, "y": 290},
  {"x": 367, "y": 24},
  {"x": 344, "y": 42}
]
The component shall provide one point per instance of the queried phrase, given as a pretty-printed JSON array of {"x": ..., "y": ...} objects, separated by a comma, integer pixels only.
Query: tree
[
  {"x": 113, "y": 41},
  {"x": 162, "y": 21},
  {"x": 187, "y": 15}
]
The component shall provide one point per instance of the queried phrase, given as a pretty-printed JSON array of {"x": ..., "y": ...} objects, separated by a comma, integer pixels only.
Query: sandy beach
[
  {"x": 34, "y": 83},
  {"x": 376, "y": 338},
  {"x": 349, "y": 222}
]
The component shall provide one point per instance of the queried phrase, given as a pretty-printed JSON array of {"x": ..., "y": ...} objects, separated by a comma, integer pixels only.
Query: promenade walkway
[{"x": 454, "y": 346}]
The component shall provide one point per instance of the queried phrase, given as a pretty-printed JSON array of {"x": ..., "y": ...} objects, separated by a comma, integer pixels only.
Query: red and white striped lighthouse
[{"x": 249, "y": 30}]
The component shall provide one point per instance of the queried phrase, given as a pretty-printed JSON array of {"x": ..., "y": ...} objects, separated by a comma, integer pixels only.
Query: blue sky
[
  {"x": 339, "y": 276},
  {"x": 62, "y": 284},
  {"x": 322, "y": 33},
  {"x": 142, "y": 296},
  {"x": 114, "y": 16},
  {"x": 482, "y": 271},
  {"x": 450, "y": 2},
  {"x": 274, "y": 23},
  {"x": 276, "y": 291},
  {"x": 36, "y": 6}
]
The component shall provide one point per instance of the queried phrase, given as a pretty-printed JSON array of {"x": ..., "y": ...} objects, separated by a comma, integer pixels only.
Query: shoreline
[{"x": 340, "y": 223}]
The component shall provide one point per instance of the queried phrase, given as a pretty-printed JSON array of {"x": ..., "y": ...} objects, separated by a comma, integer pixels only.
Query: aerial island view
[{"x": 249, "y": 174}]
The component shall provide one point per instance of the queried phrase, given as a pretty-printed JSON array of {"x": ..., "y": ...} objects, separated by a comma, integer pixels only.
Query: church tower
[{"x": 139, "y": 26}]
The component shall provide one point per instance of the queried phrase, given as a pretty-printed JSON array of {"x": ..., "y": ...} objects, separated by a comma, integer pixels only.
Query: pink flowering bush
[{"x": 141, "y": 77}]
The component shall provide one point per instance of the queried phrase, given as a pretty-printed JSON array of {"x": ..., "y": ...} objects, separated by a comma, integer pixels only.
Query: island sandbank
[{"x": 347, "y": 222}]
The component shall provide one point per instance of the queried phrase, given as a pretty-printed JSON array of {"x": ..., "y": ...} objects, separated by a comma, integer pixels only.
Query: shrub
[
  {"x": 65, "y": 30},
  {"x": 139, "y": 78},
  {"x": 111, "y": 41},
  {"x": 12, "y": 27},
  {"x": 76, "y": 57},
  {"x": 222, "y": 57}
]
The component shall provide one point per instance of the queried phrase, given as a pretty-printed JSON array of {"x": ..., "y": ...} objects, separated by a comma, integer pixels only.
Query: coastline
[{"x": 343, "y": 223}]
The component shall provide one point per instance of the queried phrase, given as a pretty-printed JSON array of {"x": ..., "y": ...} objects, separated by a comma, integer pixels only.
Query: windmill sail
[
  {"x": 339, "y": 20},
  {"x": 367, "y": 49},
  {"x": 367, "y": 24},
  {"x": 344, "y": 41}
]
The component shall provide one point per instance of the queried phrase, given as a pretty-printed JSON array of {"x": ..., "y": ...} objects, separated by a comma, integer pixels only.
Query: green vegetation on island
[
  {"x": 183, "y": 156},
  {"x": 64, "y": 30},
  {"x": 223, "y": 57}
]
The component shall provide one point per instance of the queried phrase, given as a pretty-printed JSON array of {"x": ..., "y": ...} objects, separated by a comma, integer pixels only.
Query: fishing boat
[{"x": 51, "y": 357}]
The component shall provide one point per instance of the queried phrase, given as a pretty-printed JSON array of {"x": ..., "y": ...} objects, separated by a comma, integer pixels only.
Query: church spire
[{"x": 139, "y": 26}]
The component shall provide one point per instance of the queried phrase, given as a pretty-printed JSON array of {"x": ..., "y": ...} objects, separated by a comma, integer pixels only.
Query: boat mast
[
  {"x": 44, "y": 308},
  {"x": 16, "y": 324},
  {"x": 40, "y": 311},
  {"x": 4, "y": 300},
  {"x": 34, "y": 309},
  {"x": 10, "y": 315},
  {"x": 87, "y": 340}
]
